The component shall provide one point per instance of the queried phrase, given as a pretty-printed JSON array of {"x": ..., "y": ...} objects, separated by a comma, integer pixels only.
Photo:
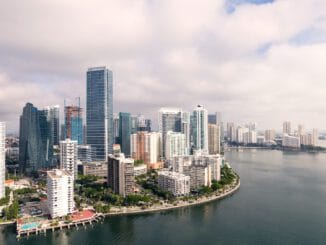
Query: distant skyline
[{"x": 252, "y": 60}]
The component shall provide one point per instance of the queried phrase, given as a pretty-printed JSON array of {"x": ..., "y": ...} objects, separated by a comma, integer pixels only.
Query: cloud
[{"x": 263, "y": 62}]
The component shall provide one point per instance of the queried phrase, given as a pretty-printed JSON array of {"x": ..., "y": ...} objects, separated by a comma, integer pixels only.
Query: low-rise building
[
  {"x": 60, "y": 192},
  {"x": 99, "y": 169},
  {"x": 140, "y": 169},
  {"x": 176, "y": 183},
  {"x": 292, "y": 142}
]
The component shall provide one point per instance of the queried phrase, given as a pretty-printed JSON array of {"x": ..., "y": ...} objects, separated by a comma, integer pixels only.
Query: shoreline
[{"x": 200, "y": 201}]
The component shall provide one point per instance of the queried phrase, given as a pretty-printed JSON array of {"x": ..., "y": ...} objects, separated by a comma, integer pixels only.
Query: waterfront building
[
  {"x": 287, "y": 128},
  {"x": 99, "y": 112},
  {"x": 99, "y": 169},
  {"x": 69, "y": 156},
  {"x": 35, "y": 140},
  {"x": 145, "y": 146},
  {"x": 121, "y": 174},
  {"x": 52, "y": 114},
  {"x": 239, "y": 134},
  {"x": 176, "y": 183},
  {"x": 230, "y": 131},
  {"x": 214, "y": 139},
  {"x": 201, "y": 167},
  {"x": 315, "y": 137},
  {"x": 124, "y": 132},
  {"x": 169, "y": 120},
  {"x": 60, "y": 192},
  {"x": 200, "y": 128},
  {"x": 216, "y": 119},
  {"x": 175, "y": 144},
  {"x": 292, "y": 142},
  {"x": 252, "y": 137},
  {"x": 140, "y": 169},
  {"x": 2, "y": 159},
  {"x": 85, "y": 153},
  {"x": 73, "y": 123},
  {"x": 301, "y": 130}
]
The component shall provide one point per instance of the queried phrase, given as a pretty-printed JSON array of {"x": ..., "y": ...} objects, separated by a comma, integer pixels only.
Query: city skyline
[{"x": 155, "y": 52}]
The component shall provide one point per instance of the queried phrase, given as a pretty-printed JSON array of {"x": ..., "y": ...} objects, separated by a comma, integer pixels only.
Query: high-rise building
[
  {"x": 99, "y": 112},
  {"x": 185, "y": 129},
  {"x": 315, "y": 136},
  {"x": 287, "y": 128},
  {"x": 169, "y": 120},
  {"x": 85, "y": 153},
  {"x": 216, "y": 118},
  {"x": 292, "y": 142},
  {"x": 35, "y": 141},
  {"x": 230, "y": 131},
  {"x": 301, "y": 130},
  {"x": 124, "y": 132},
  {"x": 121, "y": 174},
  {"x": 214, "y": 144},
  {"x": 2, "y": 158},
  {"x": 175, "y": 145},
  {"x": 69, "y": 156},
  {"x": 145, "y": 146},
  {"x": 74, "y": 123},
  {"x": 60, "y": 192},
  {"x": 53, "y": 113},
  {"x": 200, "y": 128},
  {"x": 116, "y": 128}
]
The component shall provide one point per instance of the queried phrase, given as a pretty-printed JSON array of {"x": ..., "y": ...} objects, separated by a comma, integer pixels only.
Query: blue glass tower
[
  {"x": 99, "y": 112},
  {"x": 124, "y": 132}
]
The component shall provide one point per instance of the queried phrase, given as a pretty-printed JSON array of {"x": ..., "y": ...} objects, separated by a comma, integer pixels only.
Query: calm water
[{"x": 282, "y": 200}]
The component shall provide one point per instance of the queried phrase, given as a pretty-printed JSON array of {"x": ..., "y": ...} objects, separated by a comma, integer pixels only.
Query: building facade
[
  {"x": 69, "y": 156},
  {"x": 214, "y": 139},
  {"x": 175, "y": 145},
  {"x": 176, "y": 183},
  {"x": 60, "y": 192},
  {"x": 35, "y": 140},
  {"x": 99, "y": 169},
  {"x": 121, "y": 174},
  {"x": 200, "y": 128},
  {"x": 53, "y": 113},
  {"x": 99, "y": 112},
  {"x": 74, "y": 123},
  {"x": 124, "y": 132}
]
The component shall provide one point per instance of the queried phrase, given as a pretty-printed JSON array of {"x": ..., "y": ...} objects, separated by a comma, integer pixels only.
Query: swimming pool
[{"x": 29, "y": 226}]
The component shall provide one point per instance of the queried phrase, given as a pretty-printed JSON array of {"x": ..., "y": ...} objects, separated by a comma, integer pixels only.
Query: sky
[{"x": 252, "y": 60}]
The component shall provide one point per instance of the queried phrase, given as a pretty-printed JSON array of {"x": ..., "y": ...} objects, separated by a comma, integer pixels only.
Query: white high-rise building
[
  {"x": 185, "y": 129},
  {"x": 200, "y": 128},
  {"x": 2, "y": 158},
  {"x": 269, "y": 135},
  {"x": 176, "y": 183},
  {"x": 175, "y": 144},
  {"x": 69, "y": 156},
  {"x": 315, "y": 136},
  {"x": 291, "y": 141},
  {"x": 60, "y": 192}
]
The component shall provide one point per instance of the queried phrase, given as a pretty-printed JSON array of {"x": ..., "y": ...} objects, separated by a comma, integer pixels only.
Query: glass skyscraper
[
  {"x": 124, "y": 132},
  {"x": 52, "y": 113},
  {"x": 35, "y": 140},
  {"x": 99, "y": 112}
]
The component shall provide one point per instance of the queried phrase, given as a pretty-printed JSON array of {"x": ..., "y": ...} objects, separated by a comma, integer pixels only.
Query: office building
[
  {"x": 74, "y": 123},
  {"x": 175, "y": 144},
  {"x": 169, "y": 120},
  {"x": 60, "y": 192},
  {"x": 214, "y": 139},
  {"x": 116, "y": 128},
  {"x": 2, "y": 158},
  {"x": 121, "y": 174},
  {"x": 85, "y": 153},
  {"x": 99, "y": 112},
  {"x": 53, "y": 113},
  {"x": 35, "y": 140},
  {"x": 124, "y": 132},
  {"x": 176, "y": 183},
  {"x": 69, "y": 156}
]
